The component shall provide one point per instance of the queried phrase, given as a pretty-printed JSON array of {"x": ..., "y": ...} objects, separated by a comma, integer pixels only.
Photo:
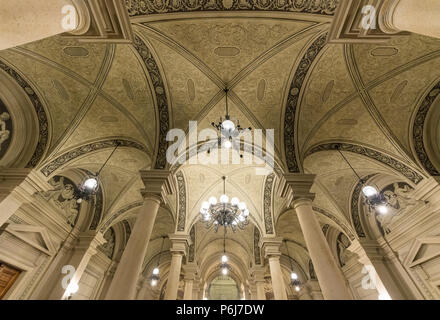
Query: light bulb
[
  {"x": 203, "y": 211},
  {"x": 156, "y": 271},
  {"x": 228, "y": 144},
  {"x": 224, "y": 199},
  {"x": 91, "y": 183},
  {"x": 205, "y": 205},
  {"x": 224, "y": 259},
  {"x": 72, "y": 288},
  {"x": 234, "y": 223},
  {"x": 294, "y": 276},
  {"x": 241, "y": 218},
  {"x": 228, "y": 125},
  {"x": 297, "y": 288},
  {"x": 235, "y": 201},
  {"x": 225, "y": 271},
  {"x": 153, "y": 282},
  {"x": 212, "y": 201},
  {"x": 246, "y": 212},
  {"x": 242, "y": 206},
  {"x": 382, "y": 209},
  {"x": 207, "y": 217},
  {"x": 79, "y": 201},
  {"x": 369, "y": 191}
]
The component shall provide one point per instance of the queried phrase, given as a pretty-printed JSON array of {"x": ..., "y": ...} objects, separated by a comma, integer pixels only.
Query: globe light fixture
[
  {"x": 155, "y": 278},
  {"x": 294, "y": 281},
  {"x": 369, "y": 191},
  {"x": 224, "y": 265}
]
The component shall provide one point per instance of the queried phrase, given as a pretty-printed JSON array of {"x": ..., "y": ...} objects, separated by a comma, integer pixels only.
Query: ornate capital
[
  {"x": 179, "y": 243},
  {"x": 271, "y": 247},
  {"x": 158, "y": 184},
  {"x": 258, "y": 274},
  {"x": 296, "y": 186}
]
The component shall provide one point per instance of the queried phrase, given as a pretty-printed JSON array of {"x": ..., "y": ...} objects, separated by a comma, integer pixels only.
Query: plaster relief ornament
[
  {"x": 4, "y": 133},
  {"x": 109, "y": 246},
  {"x": 342, "y": 244},
  {"x": 400, "y": 200},
  {"x": 63, "y": 197}
]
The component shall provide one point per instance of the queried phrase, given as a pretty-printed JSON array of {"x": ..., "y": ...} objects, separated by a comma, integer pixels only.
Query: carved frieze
[
  {"x": 268, "y": 186},
  {"x": 181, "y": 217}
]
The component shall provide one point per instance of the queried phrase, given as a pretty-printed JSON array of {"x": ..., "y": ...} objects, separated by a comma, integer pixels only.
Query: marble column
[
  {"x": 190, "y": 274},
  {"x": 179, "y": 248},
  {"x": 258, "y": 273},
  {"x": 25, "y": 21},
  {"x": 188, "y": 293},
  {"x": 123, "y": 286},
  {"x": 84, "y": 248},
  {"x": 271, "y": 249},
  {"x": 331, "y": 280},
  {"x": 421, "y": 16}
]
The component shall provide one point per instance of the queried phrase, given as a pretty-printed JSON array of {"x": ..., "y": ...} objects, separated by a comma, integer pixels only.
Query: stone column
[
  {"x": 253, "y": 290},
  {"x": 108, "y": 277},
  {"x": 330, "y": 277},
  {"x": 26, "y": 21},
  {"x": 190, "y": 278},
  {"x": 258, "y": 274},
  {"x": 124, "y": 283},
  {"x": 421, "y": 16},
  {"x": 84, "y": 249},
  {"x": 188, "y": 294},
  {"x": 271, "y": 249},
  {"x": 179, "y": 248}
]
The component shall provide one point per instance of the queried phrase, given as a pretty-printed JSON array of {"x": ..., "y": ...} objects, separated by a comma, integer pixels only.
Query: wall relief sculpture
[
  {"x": 108, "y": 247},
  {"x": 5, "y": 129},
  {"x": 63, "y": 197},
  {"x": 399, "y": 196},
  {"x": 342, "y": 243}
]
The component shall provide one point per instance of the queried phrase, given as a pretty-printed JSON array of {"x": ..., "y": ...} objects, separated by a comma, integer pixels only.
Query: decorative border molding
[
  {"x": 394, "y": 164},
  {"x": 192, "y": 247},
  {"x": 127, "y": 229},
  {"x": 355, "y": 207},
  {"x": 161, "y": 98},
  {"x": 69, "y": 156},
  {"x": 293, "y": 101},
  {"x": 140, "y": 7},
  {"x": 336, "y": 220},
  {"x": 181, "y": 215},
  {"x": 43, "y": 123},
  {"x": 312, "y": 271},
  {"x": 268, "y": 187},
  {"x": 257, "y": 250},
  {"x": 418, "y": 130}
]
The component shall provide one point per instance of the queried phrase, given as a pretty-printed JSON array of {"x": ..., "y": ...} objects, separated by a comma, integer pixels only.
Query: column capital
[
  {"x": 258, "y": 274},
  {"x": 190, "y": 271},
  {"x": 158, "y": 184},
  {"x": 296, "y": 186},
  {"x": 271, "y": 247},
  {"x": 179, "y": 243}
]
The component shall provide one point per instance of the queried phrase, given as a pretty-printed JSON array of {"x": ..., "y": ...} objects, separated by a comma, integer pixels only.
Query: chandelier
[
  {"x": 233, "y": 214},
  {"x": 228, "y": 129},
  {"x": 224, "y": 265},
  {"x": 294, "y": 281},
  {"x": 373, "y": 198},
  {"x": 155, "y": 278},
  {"x": 90, "y": 184}
]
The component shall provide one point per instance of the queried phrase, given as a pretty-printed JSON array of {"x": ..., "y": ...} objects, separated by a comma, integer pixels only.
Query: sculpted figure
[{"x": 4, "y": 133}]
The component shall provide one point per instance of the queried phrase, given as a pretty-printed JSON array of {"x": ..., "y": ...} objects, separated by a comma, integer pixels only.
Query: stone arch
[{"x": 30, "y": 135}]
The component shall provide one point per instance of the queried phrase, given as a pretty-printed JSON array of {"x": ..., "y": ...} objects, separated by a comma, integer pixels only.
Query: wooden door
[{"x": 8, "y": 276}]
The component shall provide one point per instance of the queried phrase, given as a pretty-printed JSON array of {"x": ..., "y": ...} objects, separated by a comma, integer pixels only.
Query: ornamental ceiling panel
[
  {"x": 129, "y": 196},
  {"x": 83, "y": 59},
  {"x": 374, "y": 61},
  {"x": 228, "y": 45},
  {"x": 101, "y": 121},
  {"x": 62, "y": 94},
  {"x": 190, "y": 89},
  {"x": 352, "y": 123},
  {"x": 398, "y": 97},
  {"x": 325, "y": 201},
  {"x": 288, "y": 226},
  {"x": 263, "y": 90},
  {"x": 329, "y": 85},
  {"x": 128, "y": 85}
]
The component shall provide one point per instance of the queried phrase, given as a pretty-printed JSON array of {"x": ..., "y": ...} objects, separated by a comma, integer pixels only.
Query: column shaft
[
  {"x": 124, "y": 283},
  {"x": 330, "y": 277},
  {"x": 174, "y": 276},
  {"x": 279, "y": 290},
  {"x": 188, "y": 295},
  {"x": 261, "y": 294}
]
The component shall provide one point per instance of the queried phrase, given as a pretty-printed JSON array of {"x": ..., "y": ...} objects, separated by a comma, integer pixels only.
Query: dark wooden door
[{"x": 8, "y": 276}]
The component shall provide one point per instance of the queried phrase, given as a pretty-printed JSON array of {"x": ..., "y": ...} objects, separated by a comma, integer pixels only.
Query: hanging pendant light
[
  {"x": 294, "y": 281},
  {"x": 224, "y": 265},
  {"x": 155, "y": 277},
  {"x": 373, "y": 198},
  {"x": 89, "y": 186}
]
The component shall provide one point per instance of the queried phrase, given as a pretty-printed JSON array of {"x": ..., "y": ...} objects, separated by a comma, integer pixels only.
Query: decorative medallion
[
  {"x": 293, "y": 101},
  {"x": 161, "y": 99}
]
